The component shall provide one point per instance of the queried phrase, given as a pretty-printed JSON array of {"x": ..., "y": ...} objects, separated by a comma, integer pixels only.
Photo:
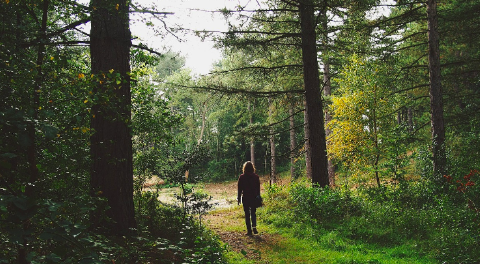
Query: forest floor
[
  {"x": 281, "y": 245},
  {"x": 227, "y": 221}
]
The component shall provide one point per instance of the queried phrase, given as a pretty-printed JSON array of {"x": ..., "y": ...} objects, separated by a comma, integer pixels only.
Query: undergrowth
[
  {"x": 164, "y": 234},
  {"x": 412, "y": 222},
  {"x": 173, "y": 236}
]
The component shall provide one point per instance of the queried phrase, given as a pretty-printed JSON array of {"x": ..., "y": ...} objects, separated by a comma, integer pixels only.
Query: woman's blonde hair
[{"x": 248, "y": 167}]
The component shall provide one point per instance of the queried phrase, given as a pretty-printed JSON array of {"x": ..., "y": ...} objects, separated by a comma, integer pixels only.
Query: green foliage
[
  {"x": 171, "y": 236},
  {"x": 220, "y": 170},
  {"x": 322, "y": 204},
  {"x": 364, "y": 136},
  {"x": 50, "y": 231},
  {"x": 412, "y": 221}
]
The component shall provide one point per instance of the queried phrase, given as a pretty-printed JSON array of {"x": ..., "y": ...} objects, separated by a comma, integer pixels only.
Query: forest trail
[
  {"x": 227, "y": 221},
  {"x": 229, "y": 225}
]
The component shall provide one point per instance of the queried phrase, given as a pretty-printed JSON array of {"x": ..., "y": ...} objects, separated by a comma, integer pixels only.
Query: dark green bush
[
  {"x": 177, "y": 237},
  {"x": 322, "y": 204}
]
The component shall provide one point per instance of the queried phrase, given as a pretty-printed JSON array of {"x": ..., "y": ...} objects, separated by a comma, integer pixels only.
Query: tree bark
[
  {"x": 314, "y": 108},
  {"x": 31, "y": 128},
  {"x": 111, "y": 143},
  {"x": 293, "y": 143},
  {"x": 273, "y": 165},
  {"x": 202, "y": 129},
  {"x": 308, "y": 159},
  {"x": 436, "y": 94},
  {"x": 252, "y": 141},
  {"x": 327, "y": 91},
  {"x": 327, "y": 88}
]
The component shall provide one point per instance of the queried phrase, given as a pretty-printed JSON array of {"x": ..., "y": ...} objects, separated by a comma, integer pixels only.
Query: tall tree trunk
[
  {"x": 204, "y": 116},
  {"x": 328, "y": 118},
  {"x": 111, "y": 143},
  {"x": 273, "y": 165},
  {"x": 308, "y": 159},
  {"x": 410, "y": 119},
  {"x": 252, "y": 140},
  {"x": 376, "y": 139},
  {"x": 436, "y": 100},
  {"x": 39, "y": 79},
  {"x": 31, "y": 128},
  {"x": 314, "y": 108},
  {"x": 293, "y": 143},
  {"x": 327, "y": 88}
]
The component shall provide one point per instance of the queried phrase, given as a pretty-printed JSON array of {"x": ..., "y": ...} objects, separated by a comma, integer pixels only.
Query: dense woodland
[{"x": 371, "y": 108}]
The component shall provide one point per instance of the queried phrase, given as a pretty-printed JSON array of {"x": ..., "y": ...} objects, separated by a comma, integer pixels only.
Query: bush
[
  {"x": 177, "y": 237},
  {"x": 322, "y": 204},
  {"x": 220, "y": 170}
]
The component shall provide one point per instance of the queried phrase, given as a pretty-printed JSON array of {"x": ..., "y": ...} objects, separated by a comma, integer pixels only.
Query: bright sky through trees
[{"x": 191, "y": 15}]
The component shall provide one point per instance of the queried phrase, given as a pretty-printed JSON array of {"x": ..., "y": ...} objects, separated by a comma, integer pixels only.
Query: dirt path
[
  {"x": 227, "y": 221},
  {"x": 230, "y": 226}
]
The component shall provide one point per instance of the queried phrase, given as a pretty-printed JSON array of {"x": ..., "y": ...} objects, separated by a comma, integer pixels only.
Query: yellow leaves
[
  {"x": 117, "y": 6},
  {"x": 81, "y": 76},
  {"x": 110, "y": 71},
  {"x": 82, "y": 129},
  {"x": 86, "y": 101},
  {"x": 51, "y": 58}
]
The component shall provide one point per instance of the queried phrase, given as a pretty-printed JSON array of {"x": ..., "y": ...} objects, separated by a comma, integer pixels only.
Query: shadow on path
[{"x": 226, "y": 223}]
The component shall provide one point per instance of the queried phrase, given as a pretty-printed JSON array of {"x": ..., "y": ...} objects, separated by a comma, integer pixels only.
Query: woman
[{"x": 248, "y": 190}]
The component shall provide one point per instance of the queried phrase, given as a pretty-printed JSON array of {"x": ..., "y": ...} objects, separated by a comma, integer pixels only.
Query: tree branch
[
  {"x": 259, "y": 68},
  {"x": 230, "y": 90}
]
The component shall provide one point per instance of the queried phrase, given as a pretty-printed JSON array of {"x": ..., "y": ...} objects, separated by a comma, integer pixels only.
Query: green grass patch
[{"x": 382, "y": 225}]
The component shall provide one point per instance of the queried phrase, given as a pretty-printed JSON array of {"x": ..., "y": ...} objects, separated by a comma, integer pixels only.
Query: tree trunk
[
  {"x": 410, "y": 119},
  {"x": 252, "y": 141},
  {"x": 308, "y": 159},
  {"x": 293, "y": 144},
  {"x": 273, "y": 165},
  {"x": 327, "y": 88},
  {"x": 111, "y": 143},
  {"x": 436, "y": 100},
  {"x": 327, "y": 91},
  {"x": 314, "y": 108},
  {"x": 31, "y": 128},
  {"x": 204, "y": 116}
]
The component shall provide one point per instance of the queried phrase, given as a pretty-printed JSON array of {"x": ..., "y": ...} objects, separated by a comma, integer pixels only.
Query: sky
[{"x": 191, "y": 14}]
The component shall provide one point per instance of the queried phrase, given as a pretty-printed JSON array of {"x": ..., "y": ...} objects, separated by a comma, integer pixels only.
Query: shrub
[{"x": 176, "y": 237}]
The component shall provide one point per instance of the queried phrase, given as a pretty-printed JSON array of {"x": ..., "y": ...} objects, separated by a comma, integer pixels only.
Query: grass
[
  {"x": 292, "y": 238},
  {"x": 412, "y": 223},
  {"x": 334, "y": 247},
  {"x": 289, "y": 242}
]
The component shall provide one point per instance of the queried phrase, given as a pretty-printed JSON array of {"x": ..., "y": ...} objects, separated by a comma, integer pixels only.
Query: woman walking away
[{"x": 248, "y": 190}]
